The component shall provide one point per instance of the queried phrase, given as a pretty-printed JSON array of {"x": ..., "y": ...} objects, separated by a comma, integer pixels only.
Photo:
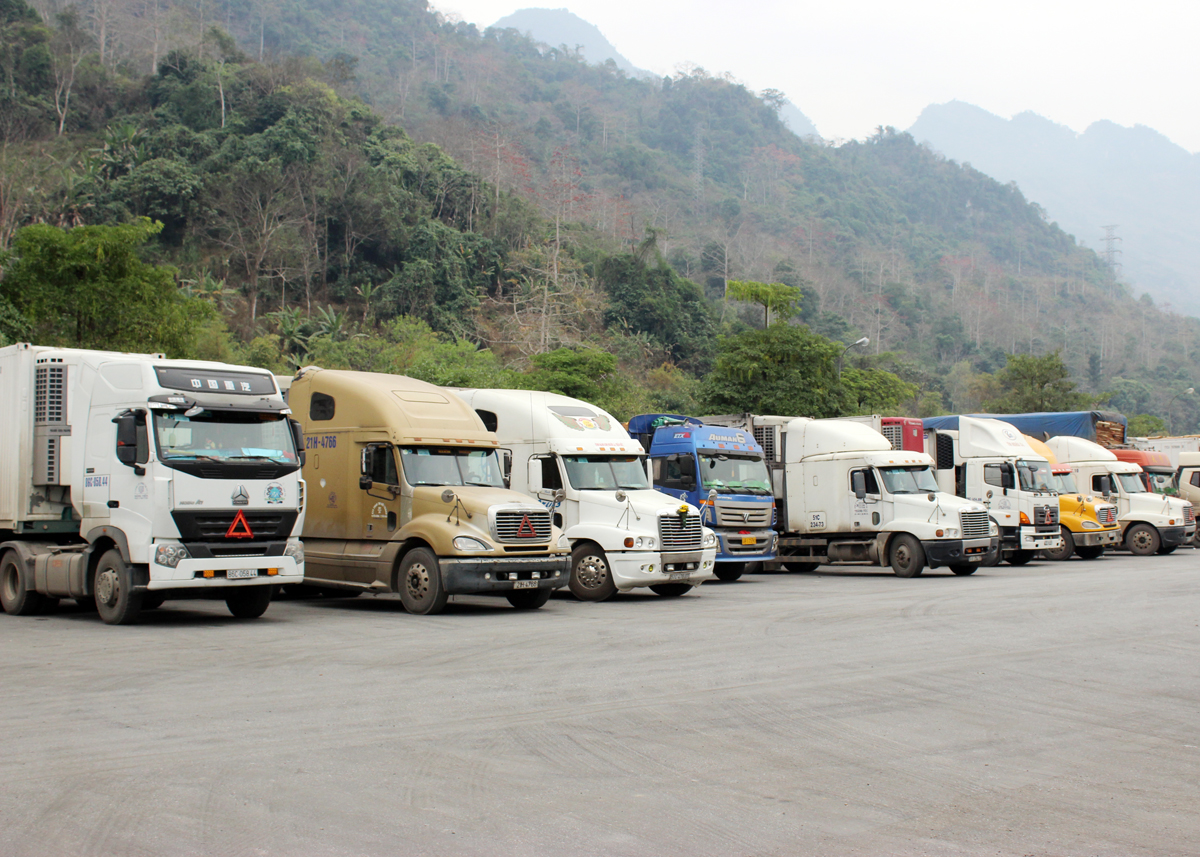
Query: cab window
[
  {"x": 381, "y": 465},
  {"x": 869, "y": 480},
  {"x": 993, "y": 474}
]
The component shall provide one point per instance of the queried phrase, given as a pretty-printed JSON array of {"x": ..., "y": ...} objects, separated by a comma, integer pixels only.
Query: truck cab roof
[{"x": 570, "y": 426}]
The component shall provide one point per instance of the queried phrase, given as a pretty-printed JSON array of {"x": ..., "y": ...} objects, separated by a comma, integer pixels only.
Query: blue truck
[{"x": 721, "y": 471}]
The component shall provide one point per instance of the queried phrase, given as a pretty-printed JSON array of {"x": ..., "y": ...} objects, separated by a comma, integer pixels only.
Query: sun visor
[{"x": 217, "y": 402}]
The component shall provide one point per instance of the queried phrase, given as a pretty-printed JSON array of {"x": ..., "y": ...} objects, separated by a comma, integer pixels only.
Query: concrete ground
[{"x": 1047, "y": 710}]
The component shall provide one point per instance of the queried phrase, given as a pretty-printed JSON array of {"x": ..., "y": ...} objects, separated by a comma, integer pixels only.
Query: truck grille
[
  {"x": 756, "y": 515},
  {"x": 1045, "y": 518},
  {"x": 680, "y": 534},
  {"x": 894, "y": 435},
  {"x": 975, "y": 525},
  {"x": 523, "y": 525},
  {"x": 211, "y": 526},
  {"x": 1189, "y": 514},
  {"x": 1106, "y": 514}
]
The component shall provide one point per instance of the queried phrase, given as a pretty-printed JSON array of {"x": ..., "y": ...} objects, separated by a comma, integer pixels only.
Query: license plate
[
  {"x": 680, "y": 575},
  {"x": 525, "y": 584},
  {"x": 749, "y": 540},
  {"x": 241, "y": 573}
]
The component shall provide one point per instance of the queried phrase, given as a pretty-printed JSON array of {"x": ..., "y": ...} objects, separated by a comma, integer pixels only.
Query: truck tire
[
  {"x": 528, "y": 599},
  {"x": 116, "y": 601},
  {"x": 906, "y": 556},
  {"x": 964, "y": 570},
  {"x": 14, "y": 597},
  {"x": 1019, "y": 557},
  {"x": 591, "y": 579},
  {"x": 420, "y": 583},
  {"x": 671, "y": 590},
  {"x": 729, "y": 571},
  {"x": 1142, "y": 540},
  {"x": 801, "y": 567},
  {"x": 1090, "y": 551},
  {"x": 1064, "y": 552},
  {"x": 249, "y": 602}
]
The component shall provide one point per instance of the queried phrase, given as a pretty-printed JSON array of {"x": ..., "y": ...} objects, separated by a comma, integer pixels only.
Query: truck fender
[
  {"x": 606, "y": 537},
  {"x": 99, "y": 536},
  {"x": 411, "y": 543}
]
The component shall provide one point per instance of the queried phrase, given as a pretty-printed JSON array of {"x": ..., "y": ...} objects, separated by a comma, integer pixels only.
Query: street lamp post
[
  {"x": 864, "y": 341},
  {"x": 1170, "y": 418}
]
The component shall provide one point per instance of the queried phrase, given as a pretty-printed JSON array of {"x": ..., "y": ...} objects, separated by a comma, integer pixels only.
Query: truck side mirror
[
  {"x": 1006, "y": 478},
  {"x": 1105, "y": 485},
  {"x": 687, "y": 481},
  {"x": 127, "y": 439},
  {"x": 687, "y": 468},
  {"x": 298, "y": 438},
  {"x": 859, "y": 483},
  {"x": 365, "y": 483}
]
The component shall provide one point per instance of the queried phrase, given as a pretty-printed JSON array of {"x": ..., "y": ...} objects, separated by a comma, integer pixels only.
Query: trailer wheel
[
  {"x": 1064, "y": 552},
  {"x": 528, "y": 599},
  {"x": 1142, "y": 539},
  {"x": 248, "y": 602},
  {"x": 1019, "y": 557},
  {"x": 729, "y": 571},
  {"x": 801, "y": 567},
  {"x": 964, "y": 570},
  {"x": 1090, "y": 551},
  {"x": 591, "y": 578},
  {"x": 14, "y": 597},
  {"x": 907, "y": 556},
  {"x": 116, "y": 600},
  {"x": 420, "y": 583}
]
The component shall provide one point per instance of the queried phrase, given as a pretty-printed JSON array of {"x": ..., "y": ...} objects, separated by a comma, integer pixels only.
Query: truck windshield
[
  {"x": 908, "y": 480},
  {"x": 1034, "y": 475},
  {"x": 1160, "y": 483},
  {"x": 1130, "y": 483},
  {"x": 605, "y": 472},
  {"x": 734, "y": 474},
  {"x": 1064, "y": 483},
  {"x": 224, "y": 436},
  {"x": 448, "y": 465}
]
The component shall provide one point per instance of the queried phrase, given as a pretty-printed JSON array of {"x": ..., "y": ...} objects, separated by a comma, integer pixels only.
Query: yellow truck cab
[
  {"x": 1088, "y": 525},
  {"x": 407, "y": 495}
]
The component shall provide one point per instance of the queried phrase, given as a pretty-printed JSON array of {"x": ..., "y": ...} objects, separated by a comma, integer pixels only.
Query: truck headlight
[
  {"x": 170, "y": 555},
  {"x": 710, "y": 539},
  {"x": 466, "y": 543},
  {"x": 1090, "y": 525},
  {"x": 993, "y": 529},
  {"x": 296, "y": 551}
]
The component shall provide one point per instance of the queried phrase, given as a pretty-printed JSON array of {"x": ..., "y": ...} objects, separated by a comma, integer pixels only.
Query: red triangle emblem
[
  {"x": 239, "y": 521},
  {"x": 526, "y": 530}
]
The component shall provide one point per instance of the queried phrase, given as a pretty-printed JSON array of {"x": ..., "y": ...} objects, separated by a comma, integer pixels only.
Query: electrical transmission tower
[{"x": 1111, "y": 251}]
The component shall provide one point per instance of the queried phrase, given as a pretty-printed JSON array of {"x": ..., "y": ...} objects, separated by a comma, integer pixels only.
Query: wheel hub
[
  {"x": 592, "y": 572},
  {"x": 108, "y": 589},
  {"x": 417, "y": 581}
]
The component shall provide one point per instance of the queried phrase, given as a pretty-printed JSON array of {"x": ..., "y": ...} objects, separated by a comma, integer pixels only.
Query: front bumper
[
  {"x": 960, "y": 551},
  {"x": 732, "y": 548},
  {"x": 193, "y": 573},
  {"x": 1032, "y": 540},
  {"x": 1173, "y": 537},
  {"x": 1097, "y": 538},
  {"x": 631, "y": 569},
  {"x": 488, "y": 575}
]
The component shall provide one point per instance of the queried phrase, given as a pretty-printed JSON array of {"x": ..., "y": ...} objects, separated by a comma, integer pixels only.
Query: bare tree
[{"x": 68, "y": 46}]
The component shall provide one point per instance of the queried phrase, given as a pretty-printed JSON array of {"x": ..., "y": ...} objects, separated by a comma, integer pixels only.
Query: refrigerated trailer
[{"x": 129, "y": 479}]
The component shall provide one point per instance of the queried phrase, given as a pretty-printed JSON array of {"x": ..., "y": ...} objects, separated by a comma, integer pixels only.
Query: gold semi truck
[
  {"x": 1089, "y": 525},
  {"x": 407, "y": 495}
]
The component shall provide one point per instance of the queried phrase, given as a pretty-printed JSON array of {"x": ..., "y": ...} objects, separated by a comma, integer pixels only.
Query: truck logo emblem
[
  {"x": 526, "y": 530},
  {"x": 274, "y": 493},
  {"x": 241, "y": 497},
  {"x": 240, "y": 528}
]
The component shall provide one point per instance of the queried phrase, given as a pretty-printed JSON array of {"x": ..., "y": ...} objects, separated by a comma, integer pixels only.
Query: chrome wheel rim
[{"x": 592, "y": 572}]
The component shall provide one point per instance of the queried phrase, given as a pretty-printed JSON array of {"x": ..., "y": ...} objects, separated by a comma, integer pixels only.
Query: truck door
[
  {"x": 864, "y": 511},
  {"x": 545, "y": 481},
  {"x": 129, "y": 488},
  {"x": 379, "y": 512}
]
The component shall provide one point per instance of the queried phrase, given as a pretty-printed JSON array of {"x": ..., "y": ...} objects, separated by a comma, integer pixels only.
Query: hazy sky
[{"x": 851, "y": 65}]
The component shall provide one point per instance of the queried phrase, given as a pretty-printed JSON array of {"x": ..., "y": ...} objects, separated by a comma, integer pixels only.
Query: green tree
[
  {"x": 875, "y": 391},
  {"x": 1029, "y": 383},
  {"x": 778, "y": 298},
  {"x": 87, "y": 287},
  {"x": 1146, "y": 425}
]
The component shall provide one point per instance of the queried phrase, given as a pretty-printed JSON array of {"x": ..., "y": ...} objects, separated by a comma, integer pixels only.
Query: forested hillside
[{"x": 369, "y": 184}]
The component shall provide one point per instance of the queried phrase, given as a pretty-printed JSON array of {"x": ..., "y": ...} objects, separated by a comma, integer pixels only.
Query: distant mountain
[
  {"x": 1134, "y": 178},
  {"x": 557, "y": 27}
]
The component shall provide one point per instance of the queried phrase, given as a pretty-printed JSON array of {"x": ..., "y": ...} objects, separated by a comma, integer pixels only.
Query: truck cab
[
  {"x": 988, "y": 461},
  {"x": 1089, "y": 524},
  {"x": 1150, "y": 523},
  {"x": 409, "y": 497},
  {"x": 720, "y": 471},
  {"x": 133, "y": 479},
  {"x": 580, "y": 463}
]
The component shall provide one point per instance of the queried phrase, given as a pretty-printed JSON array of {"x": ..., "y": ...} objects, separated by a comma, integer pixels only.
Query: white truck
[
  {"x": 988, "y": 461},
  {"x": 583, "y": 466},
  {"x": 131, "y": 479},
  {"x": 845, "y": 496},
  {"x": 1150, "y": 523}
]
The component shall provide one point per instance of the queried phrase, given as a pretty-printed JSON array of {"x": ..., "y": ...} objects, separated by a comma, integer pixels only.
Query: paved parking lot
[{"x": 1045, "y": 710}]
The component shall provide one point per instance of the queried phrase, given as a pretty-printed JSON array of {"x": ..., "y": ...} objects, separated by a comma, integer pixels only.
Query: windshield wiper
[
  {"x": 257, "y": 458},
  {"x": 194, "y": 456}
]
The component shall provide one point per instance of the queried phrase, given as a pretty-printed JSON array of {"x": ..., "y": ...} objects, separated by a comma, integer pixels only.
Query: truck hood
[
  {"x": 193, "y": 493},
  {"x": 1156, "y": 504},
  {"x": 943, "y": 509}
]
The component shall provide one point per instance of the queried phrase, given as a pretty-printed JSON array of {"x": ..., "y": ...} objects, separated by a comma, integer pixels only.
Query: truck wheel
[
  {"x": 964, "y": 570},
  {"x": 729, "y": 571},
  {"x": 591, "y": 579},
  {"x": 1064, "y": 552},
  {"x": 528, "y": 599},
  {"x": 1090, "y": 551},
  {"x": 420, "y": 583},
  {"x": 14, "y": 597},
  {"x": 671, "y": 590},
  {"x": 116, "y": 601},
  {"x": 248, "y": 602},
  {"x": 907, "y": 556},
  {"x": 1164, "y": 550},
  {"x": 1142, "y": 539},
  {"x": 801, "y": 567},
  {"x": 1019, "y": 557}
]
